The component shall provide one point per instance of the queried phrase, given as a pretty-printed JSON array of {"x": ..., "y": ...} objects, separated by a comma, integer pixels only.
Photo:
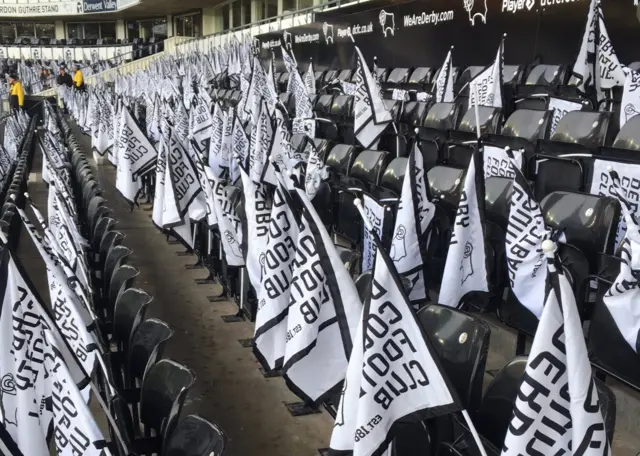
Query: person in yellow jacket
[
  {"x": 78, "y": 78},
  {"x": 16, "y": 93}
]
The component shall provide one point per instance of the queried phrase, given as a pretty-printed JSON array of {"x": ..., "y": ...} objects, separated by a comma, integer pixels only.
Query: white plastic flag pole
[{"x": 358, "y": 204}]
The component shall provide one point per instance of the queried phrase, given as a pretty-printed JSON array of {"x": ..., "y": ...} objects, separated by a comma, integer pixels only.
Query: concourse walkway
[{"x": 229, "y": 390}]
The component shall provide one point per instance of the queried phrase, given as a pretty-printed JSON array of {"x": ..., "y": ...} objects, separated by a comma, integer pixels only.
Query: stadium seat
[
  {"x": 434, "y": 132},
  {"x": 194, "y": 436},
  {"x": 151, "y": 335}
]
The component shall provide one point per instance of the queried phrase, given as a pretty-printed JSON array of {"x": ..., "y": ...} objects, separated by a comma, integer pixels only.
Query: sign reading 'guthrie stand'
[
  {"x": 99, "y": 6},
  {"x": 59, "y": 8}
]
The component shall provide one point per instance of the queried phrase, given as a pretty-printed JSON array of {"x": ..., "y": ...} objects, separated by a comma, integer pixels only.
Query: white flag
[
  {"x": 622, "y": 298},
  {"x": 221, "y": 128},
  {"x": 324, "y": 309},
  {"x": 257, "y": 210},
  {"x": 443, "y": 86},
  {"x": 262, "y": 138},
  {"x": 413, "y": 220},
  {"x": 560, "y": 108},
  {"x": 137, "y": 157},
  {"x": 310, "y": 80},
  {"x": 229, "y": 225},
  {"x": 392, "y": 372},
  {"x": 488, "y": 83},
  {"x": 526, "y": 231},
  {"x": 630, "y": 105},
  {"x": 375, "y": 213},
  {"x": 557, "y": 410},
  {"x": 371, "y": 116},
  {"x": 273, "y": 299},
  {"x": 465, "y": 269}
]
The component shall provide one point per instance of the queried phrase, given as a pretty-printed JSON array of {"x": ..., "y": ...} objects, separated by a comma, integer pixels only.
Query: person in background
[
  {"x": 16, "y": 93},
  {"x": 78, "y": 77},
  {"x": 64, "y": 78}
]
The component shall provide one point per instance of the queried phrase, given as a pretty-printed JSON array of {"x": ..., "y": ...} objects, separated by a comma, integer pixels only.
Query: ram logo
[
  {"x": 476, "y": 8},
  {"x": 328, "y": 33},
  {"x": 388, "y": 23}
]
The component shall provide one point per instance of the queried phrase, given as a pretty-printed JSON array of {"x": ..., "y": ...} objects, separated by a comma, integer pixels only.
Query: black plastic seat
[
  {"x": 459, "y": 148},
  {"x": 162, "y": 395},
  {"x": 397, "y": 78},
  {"x": 122, "y": 279},
  {"x": 461, "y": 342},
  {"x": 544, "y": 79},
  {"x": 627, "y": 143},
  {"x": 195, "y": 436},
  {"x": 498, "y": 192},
  {"x": 116, "y": 257},
  {"x": 420, "y": 79},
  {"x": 434, "y": 132},
  {"x": 108, "y": 242},
  {"x": 149, "y": 337},
  {"x": 129, "y": 312},
  {"x": 391, "y": 182},
  {"x": 522, "y": 130},
  {"x": 578, "y": 132}
]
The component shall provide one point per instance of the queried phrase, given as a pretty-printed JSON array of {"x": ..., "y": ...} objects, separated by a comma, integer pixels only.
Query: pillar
[
  {"x": 280, "y": 7},
  {"x": 121, "y": 32},
  {"x": 60, "y": 34},
  {"x": 212, "y": 21},
  {"x": 170, "y": 32},
  {"x": 257, "y": 8}
]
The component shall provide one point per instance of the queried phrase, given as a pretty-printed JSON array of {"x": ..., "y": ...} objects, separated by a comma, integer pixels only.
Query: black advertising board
[{"x": 419, "y": 33}]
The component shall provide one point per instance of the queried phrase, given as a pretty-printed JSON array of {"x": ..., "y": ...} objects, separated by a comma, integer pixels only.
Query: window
[
  {"x": 304, "y": 4},
  {"x": 108, "y": 30},
  {"x": 270, "y": 9},
  {"x": 159, "y": 28},
  {"x": 226, "y": 23},
  {"x": 288, "y": 5},
  {"x": 236, "y": 11},
  {"x": 189, "y": 25},
  {"x": 246, "y": 12},
  {"x": 45, "y": 30},
  {"x": 7, "y": 31},
  {"x": 91, "y": 30},
  {"x": 133, "y": 30},
  {"x": 25, "y": 29}
]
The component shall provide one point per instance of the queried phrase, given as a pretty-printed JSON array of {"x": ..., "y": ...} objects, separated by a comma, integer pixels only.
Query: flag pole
[
  {"x": 476, "y": 110},
  {"x": 358, "y": 204}
]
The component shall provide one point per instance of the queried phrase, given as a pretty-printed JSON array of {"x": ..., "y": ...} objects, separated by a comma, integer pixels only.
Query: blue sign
[{"x": 99, "y": 6}]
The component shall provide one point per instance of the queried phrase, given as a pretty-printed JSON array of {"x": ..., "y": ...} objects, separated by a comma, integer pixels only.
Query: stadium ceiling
[{"x": 147, "y": 9}]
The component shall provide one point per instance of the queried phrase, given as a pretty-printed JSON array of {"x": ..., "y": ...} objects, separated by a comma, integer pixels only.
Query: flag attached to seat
[
  {"x": 443, "y": 86},
  {"x": 393, "y": 371},
  {"x": 526, "y": 231},
  {"x": 622, "y": 298},
  {"x": 137, "y": 157},
  {"x": 558, "y": 410},
  {"x": 324, "y": 308},
  {"x": 465, "y": 269},
  {"x": 413, "y": 221},
  {"x": 488, "y": 83},
  {"x": 371, "y": 116},
  {"x": 277, "y": 268}
]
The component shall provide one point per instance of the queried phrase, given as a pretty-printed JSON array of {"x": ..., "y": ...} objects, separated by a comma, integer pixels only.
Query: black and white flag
[
  {"x": 487, "y": 85},
  {"x": 239, "y": 149},
  {"x": 371, "y": 116},
  {"x": 200, "y": 124},
  {"x": 393, "y": 371},
  {"x": 7, "y": 446},
  {"x": 560, "y": 108},
  {"x": 137, "y": 158},
  {"x": 324, "y": 309},
  {"x": 316, "y": 171},
  {"x": 229, "y": 225},
  {"x": 465, "y": 269},
  {"x": 557, "y": 410},
  {"x": 375, "y": 213},
  {"x": 186, "y": 185},
  {"x": 443, "y": 86},
  {"x": 526, "y": 231},
  {"x": 262, "y": 138},
  {"x": 258, "y": 212},
  {"x": 221, "y": 130},
  {"x": 622, "y": 298},
  {"x": 629, "y": 180},
  {"x": 277, "y": 267},
  {"x": 630, "y": 105},
  {"x": 597, "y": 65},
  {"x": 498, "y": 164},
  {"x": 413, "y": 221},
  {"x": 310, "y": 80}
]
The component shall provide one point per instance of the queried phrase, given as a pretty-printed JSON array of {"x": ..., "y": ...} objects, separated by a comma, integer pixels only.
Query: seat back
[
  {"x": 151, "y": 333},
  {"x": 129, "y": 312},
  {"x": 369, "y": 167},
  {"x": 442, "y": 116},
  {"x": 528, "y": 124},
  {"x": 116, "y": 257},
  {"x": 488, "y": 116},
  {"x": 164, "y": 389},
  {"x": 195, "y": 436},
  {"x": 462, "y": 345},
  {"x": 393, "y": 178},
  {"x": 122, "y": 279},
  {"x": 587, "y": 129},
  {"x": 589, "y": 222}
]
